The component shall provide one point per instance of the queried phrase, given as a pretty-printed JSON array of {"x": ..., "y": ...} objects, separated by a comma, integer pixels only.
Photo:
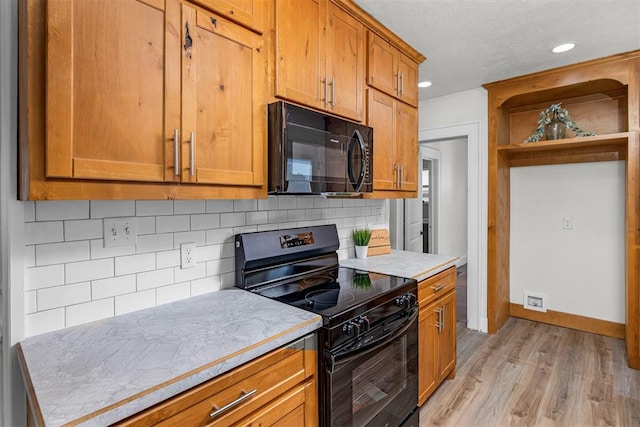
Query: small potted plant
[
  {"x": 361, "y": 238},
  {"x": 553, "y": 122}
]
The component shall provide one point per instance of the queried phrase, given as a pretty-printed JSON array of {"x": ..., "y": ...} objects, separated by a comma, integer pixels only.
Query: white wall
[
  {"x": 70, "y": 278},
  {"x": 452, "y": 200},
  {"x": 464, "y": 114},
  {"x": 582, "y": 270}
]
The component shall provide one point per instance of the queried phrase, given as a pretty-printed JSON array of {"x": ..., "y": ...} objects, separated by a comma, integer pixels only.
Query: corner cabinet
[
  {"x": 436, "y": 332},
  {"x": 136, "y": 93},
  {"x": 320, "y": 57},
  {"x": 603, "y": 95},
  {"x": 277, "y": 389}
]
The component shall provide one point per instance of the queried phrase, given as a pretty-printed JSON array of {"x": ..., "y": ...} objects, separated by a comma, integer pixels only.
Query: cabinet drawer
[
  {"x": 436, "y": 286},
  {"x": 271, "y": 376}
]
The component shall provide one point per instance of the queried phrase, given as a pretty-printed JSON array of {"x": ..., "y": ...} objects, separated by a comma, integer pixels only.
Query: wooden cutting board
[{"x": 379, "y": 244}]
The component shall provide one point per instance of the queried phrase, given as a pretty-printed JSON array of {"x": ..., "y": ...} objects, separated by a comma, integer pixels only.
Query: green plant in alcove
[
  {"x": 560, "y": 113},
  {"x": 361, "y": 236}
]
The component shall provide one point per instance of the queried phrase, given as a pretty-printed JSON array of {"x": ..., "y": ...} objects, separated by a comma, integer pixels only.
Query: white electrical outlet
[
  {"x": 120, "y": 232},
  {"x": 567, "y": 223},
  {"x": 187, "y": 255}
]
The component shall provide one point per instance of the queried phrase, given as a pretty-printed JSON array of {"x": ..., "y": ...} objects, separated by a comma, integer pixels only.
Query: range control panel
[{"x": 292, "y": 240}]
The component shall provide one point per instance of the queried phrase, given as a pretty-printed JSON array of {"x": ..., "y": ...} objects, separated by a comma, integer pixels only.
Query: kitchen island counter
[
  {"x": 105, "y": 371},
  {"x": 413, "y": 265}
]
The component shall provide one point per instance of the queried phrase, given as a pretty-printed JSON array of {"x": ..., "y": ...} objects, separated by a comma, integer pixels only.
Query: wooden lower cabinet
[
  {"x": 436, "y": 332},
  {"x": 277, "y": 389}
]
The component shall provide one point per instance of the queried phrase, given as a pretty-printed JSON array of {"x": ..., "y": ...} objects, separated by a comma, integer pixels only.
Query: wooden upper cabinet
[
  {"x": 106, "y": 73},
  {"x": 391, "y": 71},
  {"x": 223, "y": 101},
  {"x": 248, "y": 13},
  {"x": 395, "y": 153},
  {"x": 320, "y": 57},
  {"x": 140, "y": 92}
]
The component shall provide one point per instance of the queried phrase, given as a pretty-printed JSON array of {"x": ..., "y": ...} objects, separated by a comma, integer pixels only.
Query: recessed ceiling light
[
  {"x": 424, "y": 84},
  {"x": 563, "y": 47}
]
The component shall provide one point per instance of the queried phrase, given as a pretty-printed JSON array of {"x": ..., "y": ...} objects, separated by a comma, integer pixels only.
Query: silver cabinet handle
[
  {"x": 400, "y": 83},
  {"x": 244, "y": 396},
  {"x": 400, "y": 175},
  {"x": 333, "y": 92},
  {"x": 439, "y": 320},
  {"x": 176, "y": 152},
  {"x": 443, "y": 318},
  {"x": 438, "y": 287},
  {"x": 192, "y": 154},
  {"x": 326, "y": 92}
]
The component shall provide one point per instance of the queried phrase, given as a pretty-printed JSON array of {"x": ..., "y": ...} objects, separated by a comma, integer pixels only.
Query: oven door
[{"x": 376, "y": 384}]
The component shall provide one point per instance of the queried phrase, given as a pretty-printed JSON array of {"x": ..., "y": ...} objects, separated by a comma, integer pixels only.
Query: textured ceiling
[{"x": 471, "y": 42}]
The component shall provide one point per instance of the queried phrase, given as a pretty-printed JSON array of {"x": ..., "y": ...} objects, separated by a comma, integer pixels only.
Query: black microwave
[{"x": 314, "y": 153}]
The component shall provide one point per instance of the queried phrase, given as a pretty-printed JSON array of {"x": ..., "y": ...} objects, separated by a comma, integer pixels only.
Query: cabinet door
[
  {"x": 382, "y": 72},
  {"x": 407, "y": 80},
  {"x": 447, "y": 337},
  {"x": 407, "y": 145},
  {"x": 108, "y": 65},
  {"x": 381, "y": 116},
  {"x": 345, "y": 63},
  {"x": 427, "y": 352},
  {"x": 223, "y": 101},
  {"x": 299, "y": 46},
  {"x": 249, "y": 13}
]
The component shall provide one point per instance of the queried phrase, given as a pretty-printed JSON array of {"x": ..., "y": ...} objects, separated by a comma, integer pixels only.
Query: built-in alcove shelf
[{"x": 596, "y": 148}]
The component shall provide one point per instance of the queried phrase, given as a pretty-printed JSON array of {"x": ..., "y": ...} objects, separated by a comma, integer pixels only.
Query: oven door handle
[{"x": 347, "y": 356}]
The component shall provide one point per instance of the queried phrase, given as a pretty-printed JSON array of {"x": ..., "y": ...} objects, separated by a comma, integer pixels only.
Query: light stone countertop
[
  {"x": 104, "y": 371},
  {"x": 413, "y": 265}
]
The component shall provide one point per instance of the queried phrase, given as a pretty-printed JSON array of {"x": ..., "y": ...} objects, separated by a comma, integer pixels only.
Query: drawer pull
[
  {"x": 438, "y": 287},
  {"x": 244, "y": 396}
]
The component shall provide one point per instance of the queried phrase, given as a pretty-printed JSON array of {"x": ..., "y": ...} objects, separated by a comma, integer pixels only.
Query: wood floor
[{"x": 532, "y": 374}]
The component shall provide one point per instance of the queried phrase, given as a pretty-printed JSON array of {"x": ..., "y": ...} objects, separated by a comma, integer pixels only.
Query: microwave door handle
[{"x": 357, "y": 183}]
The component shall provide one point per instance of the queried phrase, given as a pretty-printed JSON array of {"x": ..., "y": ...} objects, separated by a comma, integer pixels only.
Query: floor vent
[{"x": 535, "y": 301}]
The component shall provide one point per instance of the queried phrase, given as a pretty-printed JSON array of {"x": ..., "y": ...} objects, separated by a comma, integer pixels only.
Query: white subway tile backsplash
[
  {"x": 135, "y": 301},
  {"x": 155, "y": 279},
  {"x": 154, "y": 207},
  {"x": 112, "y": 208},
  {"x": 61, "y": 296},
  {"x": 146, "y": 225},
  {"x": 221, "y": 235},
  {"x": 89, "y": 270},
  {"x": 168, "y": 259},
  {"x": 43, "y": 321},
  {"x": 30, "y": 302},
  {"x": 43, "y": 277},
  {"x": 217, "y": 206},
  {"x": 259, "y": 217},
  {"x": 99, "y": 251},
  {"x": 114, "y": 286},
  {"x": 154, "y": 243},
  {"x": 29, "y": 211},
  {"x": 70, "y": 278},
  {"x": 203, "y": 286},
  {"x": 29, "y": 256},
  {"x": 173, "y": 223},
  {"x": 193, "y": 273},
  {"x": 44, "y": 232},
  {"x": 135, "y": 263},
  {"x": 286, "y": 202},
  {"x": 83, "y": 229},
  {"x": 205, "y": 221},
  {"x": 268, "y": 204},
  {"x": 245, "y": 205},
  {"x": 198, "y": 237},
  {"x": 58, "y": 253},
  {"x": 58, "y": 210},
  {"x": 235, "y": 219},
  {"x": 89, "y": 312},
  {"x": 181, "y": 207},
  {"x": 172, "y": 293}
]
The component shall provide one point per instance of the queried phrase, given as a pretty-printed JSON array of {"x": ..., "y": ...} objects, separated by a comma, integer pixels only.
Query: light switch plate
[{"x": 120, "y": 232}]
